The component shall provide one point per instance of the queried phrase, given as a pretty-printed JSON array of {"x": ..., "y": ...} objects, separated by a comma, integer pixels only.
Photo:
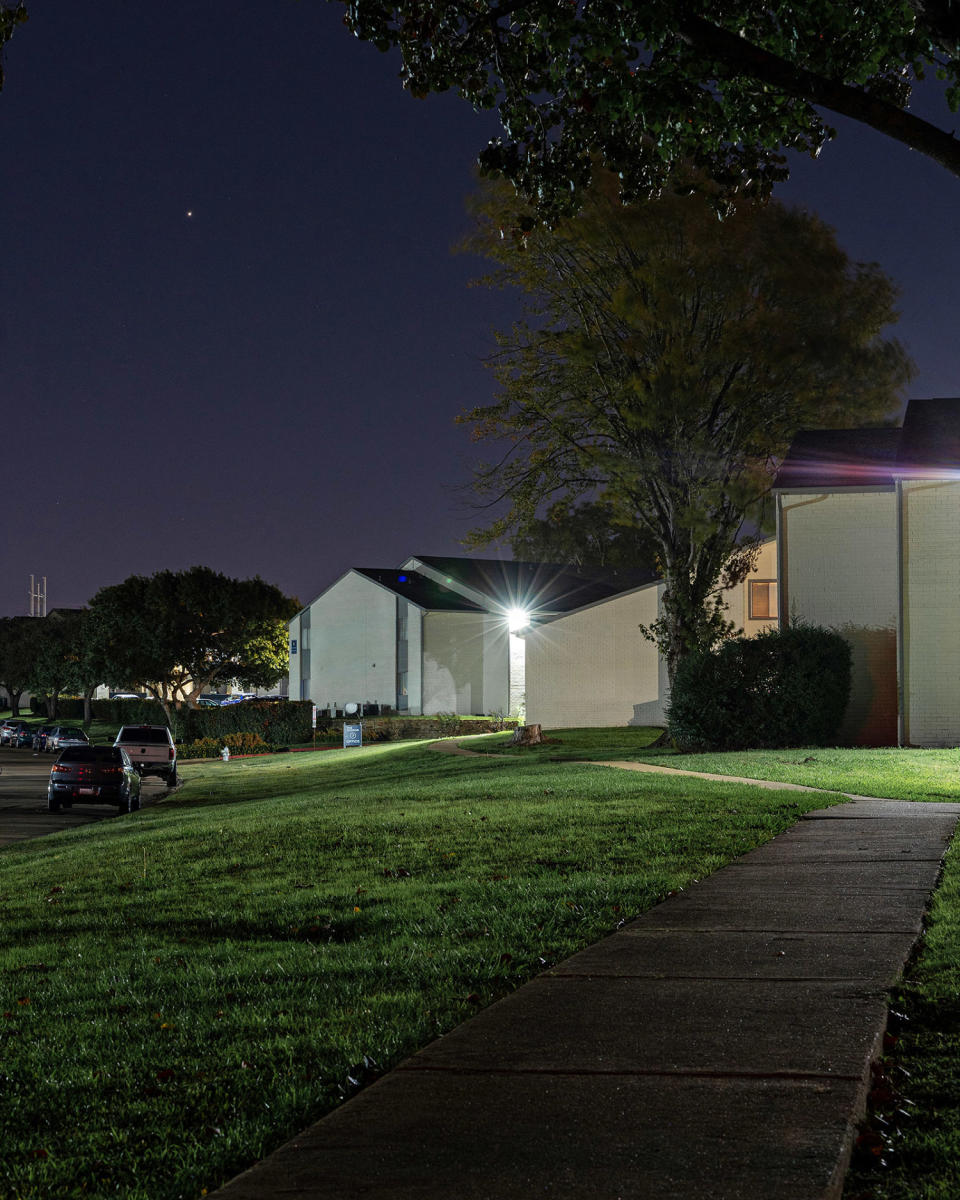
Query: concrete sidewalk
[{"x": 719, "y": 1046}]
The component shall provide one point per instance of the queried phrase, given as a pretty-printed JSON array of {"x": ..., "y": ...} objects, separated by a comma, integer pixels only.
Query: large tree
[
  {"x": 177, "y": 633},
  {"x": 57, "y": 654},
  {"x": 16, "y": 657},
  {"x": 664, "y": 361},
  {"x": 586, "y": 533},
  {"x": 648, "y": 84}
]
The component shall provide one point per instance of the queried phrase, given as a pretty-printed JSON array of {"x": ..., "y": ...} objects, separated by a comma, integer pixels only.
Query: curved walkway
[{"x": 717, "y": 1047}]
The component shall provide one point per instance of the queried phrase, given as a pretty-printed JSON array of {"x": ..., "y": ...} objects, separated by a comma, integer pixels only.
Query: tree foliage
[
  {"x": 177, "y": 633},
  {"x": 58, "y": 656},
  {"x": 16, "y": 657},
  {"x": 11, "y": 15},
  {"x": 584, "y": 534},
  {"x": 653, "y": 83},
  {"x": 663, "y": 363}
]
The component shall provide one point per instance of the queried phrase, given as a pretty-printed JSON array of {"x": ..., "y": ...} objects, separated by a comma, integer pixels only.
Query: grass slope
[
  {"x": 184, "y": 988},
  {"x": 892, "y": 773}
]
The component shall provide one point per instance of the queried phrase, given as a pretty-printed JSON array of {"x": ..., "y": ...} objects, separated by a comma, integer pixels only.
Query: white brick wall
[
  {"x": 841, "y": 572},
  {"x": 594, "y": 667},
  {"x": 453, "y": 662},
  {"x": 353, "y": 640},
  {"x": 931, "y": 528}
]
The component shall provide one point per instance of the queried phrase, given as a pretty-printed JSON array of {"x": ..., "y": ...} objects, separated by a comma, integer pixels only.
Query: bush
[
  {"x": 785, "y": 687},
  {"x": 236, "y": 743}
]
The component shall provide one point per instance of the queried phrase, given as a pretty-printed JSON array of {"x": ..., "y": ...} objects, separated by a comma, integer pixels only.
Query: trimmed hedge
[
  {"x": 396, "y": 729},
  {"x": 280, "y": 722},
  {"x": 237, "y": 743},
  {"x": 785, "y": 687}
]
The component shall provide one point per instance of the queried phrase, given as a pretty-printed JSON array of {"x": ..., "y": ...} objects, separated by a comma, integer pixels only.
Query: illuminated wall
[
  {"x": 931, "y": 613},
  {"x": 840, "y": 551}
]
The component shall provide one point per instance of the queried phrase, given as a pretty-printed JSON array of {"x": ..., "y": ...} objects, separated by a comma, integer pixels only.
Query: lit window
[{"x": 763, "y": 599}]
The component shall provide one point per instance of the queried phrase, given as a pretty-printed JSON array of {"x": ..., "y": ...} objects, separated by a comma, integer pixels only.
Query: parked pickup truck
[{"x": 151, "y": 750}]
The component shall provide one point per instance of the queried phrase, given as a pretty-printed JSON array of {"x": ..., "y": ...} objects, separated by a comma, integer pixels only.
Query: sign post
[{"x": 313, "y": 724}]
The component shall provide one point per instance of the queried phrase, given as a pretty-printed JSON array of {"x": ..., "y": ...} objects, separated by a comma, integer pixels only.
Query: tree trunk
[
  {"x": 51, "y": 701},
  {"x": 14, "y": 701},
  {"x": 527, "y": 735},
  {"x": 88, "y": 705}
]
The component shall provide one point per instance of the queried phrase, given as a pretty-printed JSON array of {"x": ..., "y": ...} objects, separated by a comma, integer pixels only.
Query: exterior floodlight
[{"x": 517, "y": 619}]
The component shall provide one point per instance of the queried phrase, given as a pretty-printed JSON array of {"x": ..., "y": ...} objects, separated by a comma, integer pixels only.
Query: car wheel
[
  {"x": 135, "y": 802},
  {"x": 172, "y": 778},
  {"x": 53, "y": 804}
]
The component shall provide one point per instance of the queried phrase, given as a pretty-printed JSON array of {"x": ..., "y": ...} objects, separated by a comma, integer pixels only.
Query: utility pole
[{"x": 38, "y": 596}]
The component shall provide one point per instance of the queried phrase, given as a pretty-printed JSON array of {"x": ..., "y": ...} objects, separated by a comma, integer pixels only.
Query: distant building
[
  {"x": 481, "y": 636},
  {"x": 436, "y": 634}
]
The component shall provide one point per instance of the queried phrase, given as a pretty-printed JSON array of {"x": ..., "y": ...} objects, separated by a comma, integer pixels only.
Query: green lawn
[
  {"x": 184, "y": 988},
  {"x": 892, "y": 773},
  {"x": 911, "y": 1148}
]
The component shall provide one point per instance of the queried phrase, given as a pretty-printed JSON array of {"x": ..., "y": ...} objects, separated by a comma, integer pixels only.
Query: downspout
[
  {"x": 901, "y": 649},
  {"x": 781, "y": 568}
]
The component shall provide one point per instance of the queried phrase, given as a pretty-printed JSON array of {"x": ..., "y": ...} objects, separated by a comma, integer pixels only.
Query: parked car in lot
[
  {"x": 24, "y": 736},
  {"x": 62, "y": 736},
  {"x": 151, "y": 750},
  {"x": 40, "y": 735},
  {"x": 93, "y": 775},
  {"x": 9, "y": 731}
]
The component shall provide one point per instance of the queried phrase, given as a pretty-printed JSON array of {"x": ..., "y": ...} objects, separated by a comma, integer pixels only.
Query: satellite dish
[{"x": 350, "y": 708}]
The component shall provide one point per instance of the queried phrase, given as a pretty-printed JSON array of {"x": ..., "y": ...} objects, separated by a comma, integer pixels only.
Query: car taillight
[
  {"x": 58, "y": 767},
  {"x": 171, "y": 752},
  {"x": 111, "y": 770}
]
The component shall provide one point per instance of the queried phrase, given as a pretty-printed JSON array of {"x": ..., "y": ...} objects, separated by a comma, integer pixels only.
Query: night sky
[{"x": 232, "y": 331}]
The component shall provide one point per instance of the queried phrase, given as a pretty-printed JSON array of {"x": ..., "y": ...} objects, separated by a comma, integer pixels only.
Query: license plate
[{"x": 87, "y": 791}]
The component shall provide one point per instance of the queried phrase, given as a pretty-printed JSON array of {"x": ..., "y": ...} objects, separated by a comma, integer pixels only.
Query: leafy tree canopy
[
  {"x": 16, "y": 656},
  {"x": 11, "y": 15},
  {"x": 590, "y": 533},
  {"x": 177, "y": 633},
  {"x": 664, "y": 361},
  {"x": 58, "y": 641},
  {"x": 649, "y": 84}
]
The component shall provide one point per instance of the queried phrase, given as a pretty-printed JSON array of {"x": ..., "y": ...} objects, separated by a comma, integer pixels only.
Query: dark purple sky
[{"x": 268, "y": 386}]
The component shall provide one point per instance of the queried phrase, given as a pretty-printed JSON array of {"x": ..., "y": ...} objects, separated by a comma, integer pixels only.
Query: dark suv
[{"x": 94, "y": 775}]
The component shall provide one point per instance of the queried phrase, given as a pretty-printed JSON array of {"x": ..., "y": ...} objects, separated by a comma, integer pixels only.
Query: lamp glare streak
[{"x": 517, "y": 619}]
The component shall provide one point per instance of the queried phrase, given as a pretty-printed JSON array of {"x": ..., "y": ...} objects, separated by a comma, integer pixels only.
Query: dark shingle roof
[
  {"x": 930, "y": 439},
  {"x": 830, "y": 458},
  {"x": 419, "y": 590},
  {"x": 927, "y": 445},
  {"x": 540, "y": 587}
]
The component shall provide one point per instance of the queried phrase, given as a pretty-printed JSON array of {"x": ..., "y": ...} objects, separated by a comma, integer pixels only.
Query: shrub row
[
  {"x": 395, "y": 729},
  {"x": 785, "y": 687},
  {"x": 209, "y": 747},
  {"x": 280, "y": 722}
]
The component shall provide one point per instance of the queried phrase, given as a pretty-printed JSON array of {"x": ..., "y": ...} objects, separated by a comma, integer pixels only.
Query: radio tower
[{"x": 38, "y": 596}]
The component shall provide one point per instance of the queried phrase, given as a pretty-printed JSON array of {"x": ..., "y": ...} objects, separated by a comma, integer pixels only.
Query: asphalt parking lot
[{"x": 23, "y": 798}]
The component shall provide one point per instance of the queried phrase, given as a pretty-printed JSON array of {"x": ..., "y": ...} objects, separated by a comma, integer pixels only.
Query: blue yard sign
[{"x": 352, "y": 735}]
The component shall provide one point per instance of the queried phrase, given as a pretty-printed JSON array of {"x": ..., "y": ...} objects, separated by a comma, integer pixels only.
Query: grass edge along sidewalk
[{"x": 204, "y": 979}]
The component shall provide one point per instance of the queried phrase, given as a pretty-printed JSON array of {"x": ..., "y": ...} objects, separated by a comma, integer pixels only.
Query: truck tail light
[{"x": 170, "y": 753}]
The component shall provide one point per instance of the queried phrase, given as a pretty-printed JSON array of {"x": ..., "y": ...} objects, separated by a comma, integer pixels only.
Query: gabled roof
[
  {"x": 926, "y": 446},
  {"x": 541, "y": 588},
  {"x": 419, "y": 590}
]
